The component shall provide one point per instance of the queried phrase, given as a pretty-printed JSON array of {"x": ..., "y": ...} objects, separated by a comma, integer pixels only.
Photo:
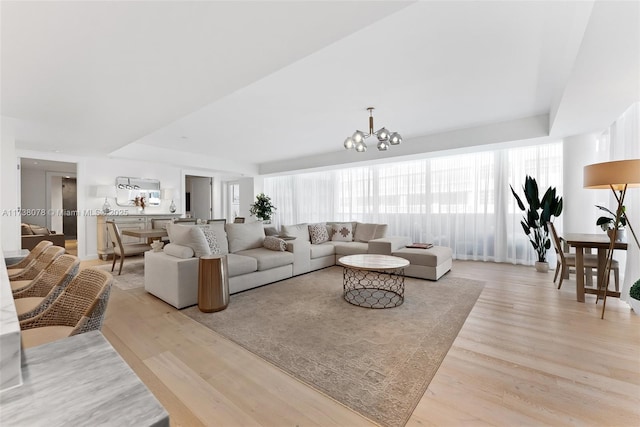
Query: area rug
[
  {"x": 132, "y": 276},
  {"x": 378, "y": 362}
]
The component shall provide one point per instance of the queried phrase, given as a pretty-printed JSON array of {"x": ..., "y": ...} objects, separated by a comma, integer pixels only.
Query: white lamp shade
[{"x": 614, "y": 174}]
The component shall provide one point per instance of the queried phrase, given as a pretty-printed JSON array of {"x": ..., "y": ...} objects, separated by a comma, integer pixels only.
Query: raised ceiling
[{"x": 262, "y": 82}]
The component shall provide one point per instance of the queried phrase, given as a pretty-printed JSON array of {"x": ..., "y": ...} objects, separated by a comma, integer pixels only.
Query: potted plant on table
[
  {"x": 534, "y": 223},
  {"x": 607, "y": 223},
  {"x": 262, "y": 208},
  {"x": 634, "y": 293}
]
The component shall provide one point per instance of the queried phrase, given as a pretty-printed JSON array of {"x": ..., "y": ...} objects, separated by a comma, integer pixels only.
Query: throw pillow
[
  {"x": 274, "y": 243},
  {"x": 342, "y": 232},
  {"x": 365, "y": 232},
  {"x": 212, "y": 241},
  {"x": 318, "y": 233},
  {"x": 191, "y": 236},
  {"x": 178, "y": 251},
  {"x": 25, "y": 230},
  {"x": 39, "y": 230}
]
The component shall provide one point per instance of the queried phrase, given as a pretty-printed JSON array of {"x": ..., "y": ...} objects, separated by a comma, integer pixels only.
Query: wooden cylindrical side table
[{"x": 213, "y": 283}]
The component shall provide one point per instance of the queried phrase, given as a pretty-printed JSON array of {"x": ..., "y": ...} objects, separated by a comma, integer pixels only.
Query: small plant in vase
[
  {"x": 262, "y": 208},
  {"x": 607, "y": 223}
]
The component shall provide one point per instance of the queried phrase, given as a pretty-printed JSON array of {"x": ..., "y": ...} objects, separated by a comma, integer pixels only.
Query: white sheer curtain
[
  {"x": 623, "y": 137},
  {"x": 461, "y": 201}
]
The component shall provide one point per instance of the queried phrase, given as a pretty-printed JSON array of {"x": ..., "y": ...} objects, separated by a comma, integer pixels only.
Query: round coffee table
[{"x": 373, "y": 281}]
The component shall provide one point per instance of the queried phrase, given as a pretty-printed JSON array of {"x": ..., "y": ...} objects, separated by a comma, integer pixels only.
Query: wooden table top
[
  {"x": 585, "y": 240},
  {"x": 373, "y": 262}
]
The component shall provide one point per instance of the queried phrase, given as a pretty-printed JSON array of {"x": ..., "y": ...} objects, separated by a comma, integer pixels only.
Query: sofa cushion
[
  {"x": 25, "y": 230},
  {"x": 178, "y": 251},
  {"x": 365, "y": 232},
  {"x": 322, "y": 250},
  {"x": 249, "y": 235},
  {"x": 381, "y": 231},
  {"x": 299, "y": 231},
  {"x": 318, "y": 233},
  {"x": 350, "y": 248},
  {"x": 239, "y": 264},
  {"x": 188, "y": 235},
  {"x": 432, "y": 257},
  {"x": 268, "y": 259},
  {"x": 342, "y": 232},
  {"x": 274, "y": 243}
]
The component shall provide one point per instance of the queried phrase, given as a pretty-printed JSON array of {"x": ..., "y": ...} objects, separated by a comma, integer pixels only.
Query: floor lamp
[{"x": 618, "y": 176}]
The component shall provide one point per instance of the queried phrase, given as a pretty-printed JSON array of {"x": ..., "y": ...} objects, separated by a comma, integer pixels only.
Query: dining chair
[
  {"x": 239, "y": 220},
  {"x": 31, "y": 257},
  {"x": 33, "y": 299},
  {"x": 122, "y": 250},
  {"x": 567, "y": 260},
  {"x": 24, "y": 278},
  {"x": 221, "y": 220},
  {"x": 79, "y": 308},
  {"x": 185, "y": 221}
]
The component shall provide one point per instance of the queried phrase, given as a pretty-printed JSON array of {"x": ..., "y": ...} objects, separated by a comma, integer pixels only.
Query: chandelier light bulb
[
  {"x": 349, "y": 144},
  {"x": 383, "y": 135},
  {"x": 361, "y": 147},
  {"x": 358, "y": 137},
  {"x": 395, "y": 139},
  {"x": 383, "y": 146}
]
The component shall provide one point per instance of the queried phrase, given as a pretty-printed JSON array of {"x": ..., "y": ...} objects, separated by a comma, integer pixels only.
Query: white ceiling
[{"x": 260, "y": 82}]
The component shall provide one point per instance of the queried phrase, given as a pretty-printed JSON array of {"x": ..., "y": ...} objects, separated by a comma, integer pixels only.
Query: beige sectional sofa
[{"x": 172, "y": 275}]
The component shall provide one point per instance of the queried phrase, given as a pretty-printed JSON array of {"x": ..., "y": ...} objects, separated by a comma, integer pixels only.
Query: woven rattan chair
[
  {"x": 79, "y": 308},
  {"x": 24, "y": 278},
  {"x": 567, "y": 260},
  {"x": 45, "y": 288},
  {"x": 31, "y": 258},
  {"x": 121, "y": 250}
]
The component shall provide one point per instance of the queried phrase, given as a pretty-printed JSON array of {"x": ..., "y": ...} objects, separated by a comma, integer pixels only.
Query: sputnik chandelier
[{"x": 385, "y": 138}]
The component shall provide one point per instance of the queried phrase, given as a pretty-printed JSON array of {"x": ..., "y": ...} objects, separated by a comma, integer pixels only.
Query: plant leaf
[{"x": 520, "y": 204}]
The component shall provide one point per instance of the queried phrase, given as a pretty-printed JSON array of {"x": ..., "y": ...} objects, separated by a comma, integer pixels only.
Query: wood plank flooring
[{"x": 528, "y": 354}]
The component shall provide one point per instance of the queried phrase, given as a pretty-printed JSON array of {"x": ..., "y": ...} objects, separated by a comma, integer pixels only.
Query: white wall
[
  {"x": 9, "y": 185},
  {"x": 103, "y": 171},
  {"x": 579, "y": 213},
  {"x": 247, "y": 197}
]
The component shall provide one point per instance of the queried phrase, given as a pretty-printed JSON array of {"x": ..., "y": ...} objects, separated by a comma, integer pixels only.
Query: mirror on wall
[{"x": 127, "y": 189}]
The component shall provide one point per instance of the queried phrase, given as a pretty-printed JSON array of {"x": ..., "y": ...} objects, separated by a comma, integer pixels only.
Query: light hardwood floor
[{"x": 528, "y": 354}]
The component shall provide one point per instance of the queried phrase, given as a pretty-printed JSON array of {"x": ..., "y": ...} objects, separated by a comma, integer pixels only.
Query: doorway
[
  {"x": 199, "y": 196},
  {"x": 48, "y": 197}
]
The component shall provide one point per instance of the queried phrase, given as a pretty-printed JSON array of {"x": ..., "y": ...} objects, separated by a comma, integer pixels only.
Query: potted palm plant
[
  {"x": 262, "y": 208},
  {"x": 539, "y": 213}
]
